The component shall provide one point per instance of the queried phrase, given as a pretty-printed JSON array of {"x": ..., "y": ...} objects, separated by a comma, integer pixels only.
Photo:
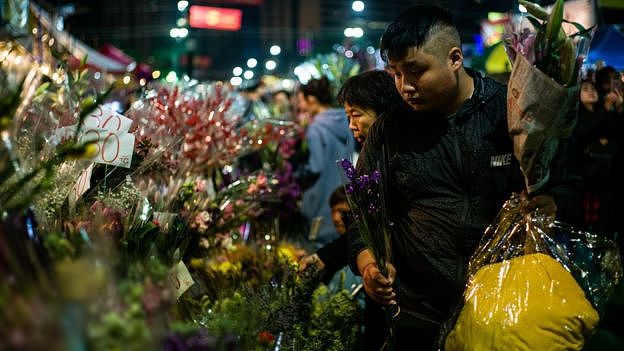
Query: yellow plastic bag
[{"x": 530, "y": 302}]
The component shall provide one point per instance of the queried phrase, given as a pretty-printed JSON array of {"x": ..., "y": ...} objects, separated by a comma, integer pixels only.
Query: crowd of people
[{"x": 437, "y": 126}]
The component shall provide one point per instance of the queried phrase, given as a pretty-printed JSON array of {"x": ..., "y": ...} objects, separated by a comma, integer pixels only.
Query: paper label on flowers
[
  {"x": 82, "y": 185},
  {"x": 180, "y": 279},
  {"x": 113, "y": 148},
  {"x": 105, "y": 117}
]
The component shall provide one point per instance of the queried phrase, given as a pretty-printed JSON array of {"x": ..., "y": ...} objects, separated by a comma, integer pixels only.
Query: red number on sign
[
  {"x": 83, "y": 182},
  {"x": 104, "y": 147},
  {"x": 95, "y": 141},
  {"x": 108, "y": 120},
  {"x": 97, "y": 109}
]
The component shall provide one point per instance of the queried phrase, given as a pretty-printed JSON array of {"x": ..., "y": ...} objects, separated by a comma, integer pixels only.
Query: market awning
[
  {"x": 608, "y": 46},
  {"x": 77, "y": 48}
]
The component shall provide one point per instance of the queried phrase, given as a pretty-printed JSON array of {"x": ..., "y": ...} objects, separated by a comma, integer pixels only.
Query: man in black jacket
[{"x": 449, "y": 166}]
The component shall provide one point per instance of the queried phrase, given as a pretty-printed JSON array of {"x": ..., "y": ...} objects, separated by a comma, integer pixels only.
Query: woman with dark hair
[
  {"x": 328, "y": 139},
  {"x": 365, "y": 97}
]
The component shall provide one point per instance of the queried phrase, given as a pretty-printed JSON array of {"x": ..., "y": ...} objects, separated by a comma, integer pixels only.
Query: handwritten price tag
[
  {"x": 180, "y": 278},
  {"x": 113, "y": 148},
  {"x": 105, "y": 117},
  {"x": 82, "y": 185}
]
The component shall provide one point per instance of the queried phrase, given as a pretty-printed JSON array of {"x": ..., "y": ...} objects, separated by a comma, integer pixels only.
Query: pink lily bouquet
[{"x": 541, "y": 96}]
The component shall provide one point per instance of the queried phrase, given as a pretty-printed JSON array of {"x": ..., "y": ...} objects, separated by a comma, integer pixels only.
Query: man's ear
[{"x": 455, "y": 58}]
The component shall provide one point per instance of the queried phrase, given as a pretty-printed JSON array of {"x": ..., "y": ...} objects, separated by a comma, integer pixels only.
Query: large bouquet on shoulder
[{"x": 534, "y": 283}]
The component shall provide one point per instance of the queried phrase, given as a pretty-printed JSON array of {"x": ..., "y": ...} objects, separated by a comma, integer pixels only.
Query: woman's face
[
  {"x": 589, "y": 95},
  {"x": 360, "y": 120}
]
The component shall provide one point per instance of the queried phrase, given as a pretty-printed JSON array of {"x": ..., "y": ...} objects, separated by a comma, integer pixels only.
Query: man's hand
[
  {"x": 545, "y": 204},
  {"x": 378, "y": 287},
  {"x": 309, "y": 261}
]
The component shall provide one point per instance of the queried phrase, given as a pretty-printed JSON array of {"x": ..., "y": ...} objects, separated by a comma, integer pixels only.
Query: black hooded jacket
[{"x": 447, "y": 177}]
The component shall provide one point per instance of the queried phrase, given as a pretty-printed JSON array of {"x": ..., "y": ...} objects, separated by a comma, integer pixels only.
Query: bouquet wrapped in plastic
[{"x": 534, "y": 283}]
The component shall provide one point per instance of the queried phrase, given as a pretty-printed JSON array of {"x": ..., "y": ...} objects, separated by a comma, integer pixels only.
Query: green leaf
[
  {"x": 553, "y": 26},
  {"x": 578, "y": 26},
  {"x": 57, "y": 55},
  {"x": 585, "y": 33},
  {"x": 567, "y": 61},
  {"x": 90, "y": 108},
  {"x": 83, "y": 62},
  {"x": 42, "y": 88},
  {"x": 534, "y": 9}
]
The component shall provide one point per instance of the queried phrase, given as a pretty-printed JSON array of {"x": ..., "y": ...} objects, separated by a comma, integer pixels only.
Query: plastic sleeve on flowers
[{"x": 565, "y": 184}]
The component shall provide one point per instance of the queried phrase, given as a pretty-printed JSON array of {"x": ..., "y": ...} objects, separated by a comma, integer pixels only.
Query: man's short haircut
[
  {"x": 373, "y": 90},
  {"x": 414, "y": 27}
]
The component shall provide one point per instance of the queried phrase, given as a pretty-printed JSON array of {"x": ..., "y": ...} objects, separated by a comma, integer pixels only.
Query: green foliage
[
  {"x": 336, "y": 68},
  {"x": 335, "y": 322},
  {"x": 308, "y": 318},
  {"x": 58, "y": 246},
  {"x": 126, "y": 329}
]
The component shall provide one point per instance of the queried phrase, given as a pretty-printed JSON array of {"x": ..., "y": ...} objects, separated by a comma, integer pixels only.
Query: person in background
[
  {"x": 281, "y": 106},
  {"x": 448, "y": 165},
  {"x": 328, "y": 139},
  {"x": 610, "y": 89},
  {"x": 596, "y": 136},
  {"x": 255, "y": 108},
  {"x": 332, "y": 257},
  {"x": 364, "y": 97}
]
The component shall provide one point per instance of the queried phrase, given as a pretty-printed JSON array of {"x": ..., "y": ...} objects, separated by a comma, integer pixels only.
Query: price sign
[
  {"x": 82, "y": 185},
  {"x": 105, "y": 117},
  {"x": 180, "y": 279},
  {"x": 113, "y": 148}
]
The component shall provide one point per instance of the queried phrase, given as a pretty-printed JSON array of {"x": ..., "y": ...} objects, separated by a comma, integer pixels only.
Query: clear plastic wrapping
[{"x": 534, "y": 284}]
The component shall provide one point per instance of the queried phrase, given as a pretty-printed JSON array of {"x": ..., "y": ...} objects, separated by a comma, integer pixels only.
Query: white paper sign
[
  {"x": 181, "y": 279},
  {"x": 105, "y": 117},
  {"x": 82, "y": 185},
  {"x": 113, "y": 148}
]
